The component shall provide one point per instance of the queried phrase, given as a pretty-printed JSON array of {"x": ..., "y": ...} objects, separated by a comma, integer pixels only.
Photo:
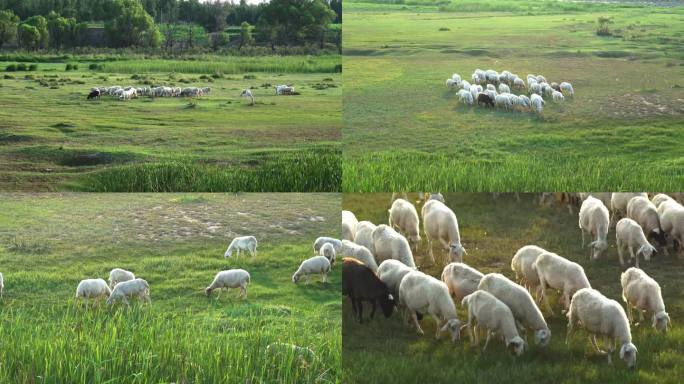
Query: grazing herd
[
  {"x": 493, "y": 89},
  {"x": 129, "y": 93},
  {"x": 497, "y": 305}
]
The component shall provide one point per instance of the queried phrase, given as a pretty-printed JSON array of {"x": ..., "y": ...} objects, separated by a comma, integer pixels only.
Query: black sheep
[
  {"x": 483, "y": 98},
  {"x": 94, "y": 94},
  {"x": 361, "y": 284}
]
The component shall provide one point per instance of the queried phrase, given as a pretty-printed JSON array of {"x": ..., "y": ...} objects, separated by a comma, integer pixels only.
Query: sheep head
[{"x": 628, "y": 353}]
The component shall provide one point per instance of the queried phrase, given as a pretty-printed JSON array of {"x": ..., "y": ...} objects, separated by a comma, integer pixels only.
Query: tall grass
[{"x": 310, "y": 171}]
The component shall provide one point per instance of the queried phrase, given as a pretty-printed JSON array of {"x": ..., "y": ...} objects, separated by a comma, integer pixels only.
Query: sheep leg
[
  {"x": 629, "y": 313},
  {"x": 619, "y": 249},
  {"x": 610, "y": 346},
  {"x": 325, "y": 277},
  {"x": 595, "y": 344},
  {"x": 432, "y": 256},
  {"x": 545, "y": 297},
  {"x": 631, "y": 254},
  {"x": 582, "y": 229},
  {"x": 641, "y": 316},
  {"x": 489, "y": 336},
  {"x": 374, "y": 307},
  {"x": 353, "y": 303},
  {"x": 438, "y": 325},
  {"x": 415, "y": 321}
]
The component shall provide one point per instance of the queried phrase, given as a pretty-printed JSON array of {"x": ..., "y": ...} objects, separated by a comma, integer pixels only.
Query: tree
[
  {"x": 603, "y": 29},
  {"x": 40, "y": 23},
  {"x": 295, "y": 21},
  {"x": 8, "y": 26},
  {"x": 218, "y": 40},
  {"x": 61, "y": 30},
  {"x": 81, "y": 37},
  {"x": 29, "y": 36},
  {"x": 246, "y": 38},
  {"x": 132, "y": 26}
]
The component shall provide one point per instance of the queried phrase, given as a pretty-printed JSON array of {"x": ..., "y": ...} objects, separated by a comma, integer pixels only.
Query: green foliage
[
  {"x": 11, "y": 68},
  {"x": 132, "y": 26},
  {"x": 21, "y": 67},
  {"x": 246, "y": 38},
  {"x": 71, "y": 67},
  {"x": 41, "y": 25},
  {"x": 33, "y": 67},
  {"x": 8, "y": 26},
  {"x": 28, "y": 36},
  {"x": 603, "y": 29},
  {"x": 219, "y": 40},
  {"x": 294, "y": 22},
  {"x": 62, "y": 31}
]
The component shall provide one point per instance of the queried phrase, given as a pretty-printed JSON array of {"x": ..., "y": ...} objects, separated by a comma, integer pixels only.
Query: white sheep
[
  {"x": 640, "y": 291},
  {"x": 456, "y": 77},
  {"x": 312, "y": 266},
  {"x": 672, "y": 222},
  {"x": 461, "y": 279},
  {"x": 491, "y": 87},
  {"x": 503, "y": 101},
  {"x": 328, "y": 251},
  {"x": 130, "y": 288},
  {"x": 535, "y": 89},
  {"x": 390, "y": 244},
  {"x": 92, "y": 289},
  {"x": 537, "y": 103},
  {"x": 600, "y": 315},
  {"x": 521, "y": 304},
  {"x": 492, "y": 76},
  {"x": 561, "y": 274},
  {"x": 619, "y": 201},
  {"x": 318, "y": 243},
  {"x": 503, "y": 88},
  {"x": 519, "y": 83},
  {"x": 440, "y": 223},
  {"x": 525, "y": 101},
  {"x": 522, "y": 263},
  {"x": 349, "y": 223},
  {"x": 465, "y": 85},
  {"x": 358, "y": 252},
  {"x": 630, "y": 235},
  {"x": 364, "y": 235},
  {"x": 231, "y": 278},
  {"x": 644, "y": 212},
  {"x": 451, "y": 84},
  {"x": 118, "y": 275},
  {"x": 566, "y": 88},
  {"x": 284, "y": 90},
  {"x": 421, "y": 293},
  {"x": 391, "y": 272},
  {"x": 242, "y": 243},
  {"x": 658, "y": 199},
  {"x": 465, "y": 97},
  {"x": 485, "y": 310},
  {"x": 557, "y": 96},
  {"x": 594, "y": 220},
  {"x": 404, "y": 217},
  {"x": 248, "y": 93}
]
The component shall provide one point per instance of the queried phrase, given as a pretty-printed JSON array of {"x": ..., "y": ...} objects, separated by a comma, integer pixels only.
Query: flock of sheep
[
  {"x": 129, "y": 93},
  {"x": 495, "y": 303},
  {"x": 536, "y": 85}
]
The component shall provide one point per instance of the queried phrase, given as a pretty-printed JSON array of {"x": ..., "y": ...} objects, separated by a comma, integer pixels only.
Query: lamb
[
  {"x": 421, "y": 293},
  {"x": 440, "y": 223},
  {"x": 391, "y": 272},
  {"x": 557, "y": 96},
  {"x": 485, "y": 310},
  {"x": 248, "y": 93},
  {"x": 461, "y": 279},
  {"x": 465, "y": 97},
  {"x": 361, "y": 284},
  {"x": 537, "y": 103},
  {"x": 520, "y": 302},
  {"x": 318, "y": 243},
  {"x": 630, "y": 235},
  {"x": 364, "y": 235},
  {"x": 561, "y": 274},
  {"x": 242, "y": 243},
  {"x": 522, "y": 263},
  {"x": 640, "y": 291},
  {"x": 349, "y": 223},
  {"x": 502, "y": 101},
  {"x": 619, "y": 201},
  {"x": 389, "y": 244},
  {"x": 602, "y": 316},
  {"x": 485, "y": 99},
  {"x": 311, "y": 266},
  {"x": 503, "y": 88},
  {"x": 130, "y": 288},
  {"x": 231, "y": 278},
  {"x": 328, "y": 251},
  {"x": 358, "y": 252},
  {"x": 594, "y": 220},
  {"x": 118, "y": 275},
  {"x": 566, "y": 88},
  {"x": 641, "y": 210},
  {"x": 91, "y": 288},
  {"x": 404, "y": 217}
]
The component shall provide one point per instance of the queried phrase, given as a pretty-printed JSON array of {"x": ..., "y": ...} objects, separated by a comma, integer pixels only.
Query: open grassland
[
  {"x": 404, "y": 131},
  {"x": 176, "y": 242},
  {"x": 51, "y": 138},
  {"x": 492, "y": 230}
]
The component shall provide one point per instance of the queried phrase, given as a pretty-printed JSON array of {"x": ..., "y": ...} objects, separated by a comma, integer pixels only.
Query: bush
[
  {"x": 33, "y": 67},
  {"x": 72, "y": 67},
  {"x": 95, "y": 67},
  {"x": 11, "y": 68},
  {"x": 21, "y": 67}
]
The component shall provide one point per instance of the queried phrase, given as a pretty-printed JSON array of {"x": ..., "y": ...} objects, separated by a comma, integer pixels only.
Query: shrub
[
  {"x": 21, "y": 67},
  {"x": 33, "y": 67},
  {"x": 11, "y": 68}
]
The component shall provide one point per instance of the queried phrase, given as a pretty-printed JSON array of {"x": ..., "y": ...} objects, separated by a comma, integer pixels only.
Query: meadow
[
  {"x": 52, "y": 139},
  {"x": 49, "y": 242},
  {"x": 404, "y": 131},
  {"x": 492, "y": 229}
]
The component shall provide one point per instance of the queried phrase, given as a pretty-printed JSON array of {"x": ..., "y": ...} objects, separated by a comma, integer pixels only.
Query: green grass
[
  {"x": 492, "y": 229},
  {"x": 176, "y": 242},
  {"x": 51, "y": 138},
  {"x": 400, "y": 119}
]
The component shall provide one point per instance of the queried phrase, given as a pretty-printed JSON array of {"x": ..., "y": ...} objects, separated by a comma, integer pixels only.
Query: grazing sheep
[
  {"x": 483, "y": 98},
  {"x": 118, "y": 275},
  {"x": 456, "y": 77},
  {"x": 672, "y": 222},
  {"x": 641, "y": 210},
  {"x": 537, "y": 103},
  {"x": 480, "y": 75},
  {"x": 566, "y": 88},
  {"x": 465, "y": 97},
  {"x": 619, "y": 201},
  {"x": 318, "y": 243},
  {"x": 91, "y": 288},
  {"x": 232, "y": 278},
  {"x": 525, "y": 101},
  {"x": 286, "y": 350},
  {"x": 461, "y": 279},
  {"x": 364, "y": 235},
  {"x": 421, "y": 293},
  {"x": 630, "y": 235},
  {"x": 349, "y": 223},
  {"x": 390, "y": 244},
  {"x": 311, "y": 266},
  {"x": 485, "y": 310},
  {"x": 130, "y": 288},
  {"x": 600, "y": 315},
  {"x": 518, "y": 83},
  {"x": 658, "y": 199},
  {"x": 522, "y": 263},
  {"x": 451, "y": 84},
  {"x": 535, "y": 89},
  {"x": 561, "y": 274},
  {"x": 242, "y": 243},
  {"x": 640, "y": 291},
  {"x": 358, "y": 252},
  {"x": 594, "y": 220},
  {"x": 94, "y": 94},
  {"x": 474, "y": 90},
  {"x": 440, "y": 223},
  {"x": 491, "y": 87},
  {"x": 492, "y": 76},
  {"x": 465, "y": 85},
  {"x": 521, "y": 304},
  {"x": 391, "y": 272},
  {"x": 557, "y": 97},
  {"x": 248, "y": 93},
  {"x": 492, "y": 95},
  {"x": 284, "y": 90},
  {"x": 603, "y": 196},
  {"x": 503, "y": 101},
  {"x": 555, "y": 86},
  {"x": 328, "y": 251},
  {"x": 404, "y": 217},
  {"x": 503, "y": 88},
  {"x": 361, "y": 284}
]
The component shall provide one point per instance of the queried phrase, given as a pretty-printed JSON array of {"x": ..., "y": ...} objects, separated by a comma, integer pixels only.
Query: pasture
[
  {"x": 492, "y": 229},
  {"x": 176, "y": 242},
  {"x": 404, "y": 131},
  {"x": 54, "y": 140}
]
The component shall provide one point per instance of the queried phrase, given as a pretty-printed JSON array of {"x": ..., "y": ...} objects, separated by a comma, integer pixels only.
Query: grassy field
[
  {"x": 492, "y": 229},
  {"x": 51, "y": 138},
  {"x": 176, "y": 242},
  {"x": 404, "y": 131}
]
